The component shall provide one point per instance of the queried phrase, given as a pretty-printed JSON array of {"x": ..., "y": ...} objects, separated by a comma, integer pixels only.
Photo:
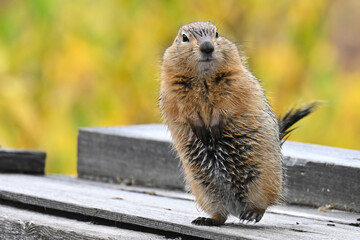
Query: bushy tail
[{"x": 293, "y": 116}]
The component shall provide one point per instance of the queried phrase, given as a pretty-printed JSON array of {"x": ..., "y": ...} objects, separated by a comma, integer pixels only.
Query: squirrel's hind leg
[{"x": 251, "y": 215}]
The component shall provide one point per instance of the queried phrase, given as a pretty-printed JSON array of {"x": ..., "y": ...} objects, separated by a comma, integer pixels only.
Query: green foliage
[{"x": 67, "y": 64}]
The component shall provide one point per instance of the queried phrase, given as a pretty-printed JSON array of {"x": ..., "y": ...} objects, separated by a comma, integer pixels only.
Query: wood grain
[
  {"x": 23, "y": 224},
  {"x": 168, "y": 213},
  {"x": 118, "y": 157},
  {"x": 142, "y": 155}
]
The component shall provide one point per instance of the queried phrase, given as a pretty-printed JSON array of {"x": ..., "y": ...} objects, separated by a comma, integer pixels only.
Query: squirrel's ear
[{"x": 176, "y": 39}]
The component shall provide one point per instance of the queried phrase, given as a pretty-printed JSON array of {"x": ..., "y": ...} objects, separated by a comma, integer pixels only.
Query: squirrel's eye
[
  {"x": 185, "y": 38},
  {"x": 216, "y": 34}
]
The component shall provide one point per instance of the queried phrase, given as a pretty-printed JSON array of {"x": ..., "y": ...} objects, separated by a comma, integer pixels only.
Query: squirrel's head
[{"x": 198, "y": 48}]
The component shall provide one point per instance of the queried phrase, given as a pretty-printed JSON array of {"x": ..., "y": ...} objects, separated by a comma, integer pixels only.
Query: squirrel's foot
[
  {"x": 215, "y": 220},
  {"x": 251, "y": 215},
  {"x": 203, "y": 221}
]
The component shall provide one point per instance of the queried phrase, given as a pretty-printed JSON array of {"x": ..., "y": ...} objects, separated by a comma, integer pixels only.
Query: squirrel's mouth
[{"x": 207, "y": 59}]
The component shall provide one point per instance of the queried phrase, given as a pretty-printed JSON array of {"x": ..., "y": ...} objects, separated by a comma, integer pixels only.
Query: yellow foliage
[{"x": 68, "y": 64}]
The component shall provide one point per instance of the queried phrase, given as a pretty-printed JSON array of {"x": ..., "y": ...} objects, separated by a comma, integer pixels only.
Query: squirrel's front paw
[{"x": 203, "y": 221}]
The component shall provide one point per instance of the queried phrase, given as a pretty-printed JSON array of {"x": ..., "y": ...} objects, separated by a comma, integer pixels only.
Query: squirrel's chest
[
  {"x": 196, "y": 89},
  {"x": 200, "y": 96}
]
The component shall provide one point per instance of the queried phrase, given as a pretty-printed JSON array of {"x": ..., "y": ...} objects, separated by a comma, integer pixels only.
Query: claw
[
  {"x": 250, "y": 216},
  {"x": 247, "y": 215},
  {"x": 258, "y": 217}
]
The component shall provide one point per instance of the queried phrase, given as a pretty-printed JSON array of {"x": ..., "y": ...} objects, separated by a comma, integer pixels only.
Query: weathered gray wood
[
  {"x": 333, "y": 215},
  {"x": 22, "y": 161},
  {"x": 116, "y": 156},
  {"x": 316, "y": 175},
  {"x": 23, "y": 224},
  {"x": 172, "y": 214}
]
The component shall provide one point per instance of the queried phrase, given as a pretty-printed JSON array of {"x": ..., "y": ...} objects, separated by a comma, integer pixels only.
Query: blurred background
[{"x": 67, "y": 64}]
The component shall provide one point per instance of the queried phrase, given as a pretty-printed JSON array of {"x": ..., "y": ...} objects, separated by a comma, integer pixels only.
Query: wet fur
[{"x": 224, "y": 131}]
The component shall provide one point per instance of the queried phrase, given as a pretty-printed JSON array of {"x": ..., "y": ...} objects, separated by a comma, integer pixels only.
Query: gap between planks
[
  {"x": 24, "y": 224},
  {"x": 168, "y": 212},
  {"x": 334, "y": 215}
]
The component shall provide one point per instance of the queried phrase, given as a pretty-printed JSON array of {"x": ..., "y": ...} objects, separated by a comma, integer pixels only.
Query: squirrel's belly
[{"x": 223, "y": 168}]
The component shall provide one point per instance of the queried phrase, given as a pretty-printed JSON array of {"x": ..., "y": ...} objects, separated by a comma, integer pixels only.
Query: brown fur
[{"x": 221, "y": 95}]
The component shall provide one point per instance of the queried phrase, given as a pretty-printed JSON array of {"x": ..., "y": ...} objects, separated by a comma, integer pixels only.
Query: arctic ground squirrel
[{"x": 223, "y": 128}]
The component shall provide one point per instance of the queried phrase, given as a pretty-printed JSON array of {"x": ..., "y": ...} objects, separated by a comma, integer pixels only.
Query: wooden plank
[
  {"x": 331, "y": 215},
  {"x": 116, "y": 157},
  {"x": 22, "y": 161},
  {"x": 141, "y": 155},
  {"x": 161, "y": 212},
  {"x": 320, "y": 175},
  {"x": 23, "y": 224}
]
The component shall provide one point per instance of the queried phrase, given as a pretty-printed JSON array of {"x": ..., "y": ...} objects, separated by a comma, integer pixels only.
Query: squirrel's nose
[{"x": 206, "y": 47}]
